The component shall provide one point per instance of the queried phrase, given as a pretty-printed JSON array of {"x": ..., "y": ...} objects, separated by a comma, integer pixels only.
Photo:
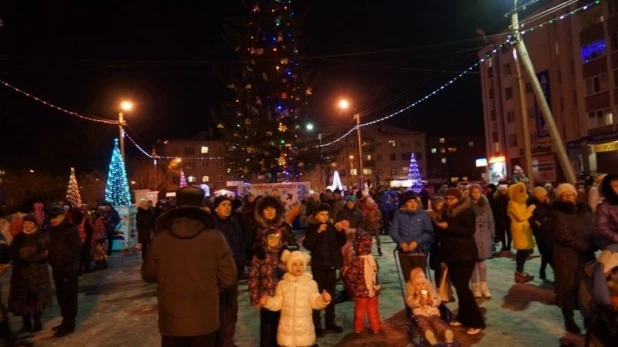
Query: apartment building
[
  {"x": 576, "y": 62},
  {"x": 386, "y": 155},
  {"x": 455, "y": 157}
]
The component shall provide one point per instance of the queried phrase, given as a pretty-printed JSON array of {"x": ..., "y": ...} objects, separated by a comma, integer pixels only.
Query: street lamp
[
  {"x": 344, "y": 105},
  {"x": 309, "y": 126},
  {"x": 124, "y": 106}
]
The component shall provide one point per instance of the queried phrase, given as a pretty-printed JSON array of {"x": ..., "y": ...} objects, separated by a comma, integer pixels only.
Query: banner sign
[
  {"x": 544, "y": 168},
  {"x": 290, "y": 193},
  {"x": 541, "y": 127}
]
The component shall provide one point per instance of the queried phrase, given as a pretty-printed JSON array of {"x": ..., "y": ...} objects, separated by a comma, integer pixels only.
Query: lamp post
[
  {"x": 124, "y": 106},
  {"x": 344, "y": 104}
]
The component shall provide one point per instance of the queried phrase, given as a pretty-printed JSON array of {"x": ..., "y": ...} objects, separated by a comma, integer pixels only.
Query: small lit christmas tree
[
  {"x": 73, "y": 190},
  {"x": 414, "y": 175},
  {"x": 337, "y": 181},
  {"x": 183, "y": 179},
  {"x": 117, "y": 188}
]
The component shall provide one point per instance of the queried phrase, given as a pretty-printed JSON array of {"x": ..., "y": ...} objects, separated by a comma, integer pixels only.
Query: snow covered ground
[{"x": 117, "y": 309}]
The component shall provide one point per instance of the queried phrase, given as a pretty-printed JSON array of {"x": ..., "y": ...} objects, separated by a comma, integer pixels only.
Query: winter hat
[
  {"x": 407, "y": 196},
  {"x": 492, "y": 186},
  {"x": 190, "y": 196},
  {"x": 503, "y": 187},
  {"x": 350, "y": 198},
  {"x": 539, "y": 192},
  {"x": 289, "y": 257},
  {"x": 28, "y": 218},
  {"x": 55, "y": 212},
  {"x": 454, "y": 192},
  {"x": 323, "y": 207},
  {"x": 363, "y": 244},
  {"x": 475, "y": 186},
  {"x": 76, "y": 215},
  {"x": 219, "y": 199},
  {"x": 436, "y": 199},
  {"x": 565, "y": 188},
  {"x": 606, "y": 189}
]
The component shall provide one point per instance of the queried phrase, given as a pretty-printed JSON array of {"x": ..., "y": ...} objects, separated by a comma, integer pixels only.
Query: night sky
[{"x": 88, "y": 57}]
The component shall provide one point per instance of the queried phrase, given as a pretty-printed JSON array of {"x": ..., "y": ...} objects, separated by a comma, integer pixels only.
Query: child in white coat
[{"x": 296, "y": 297}]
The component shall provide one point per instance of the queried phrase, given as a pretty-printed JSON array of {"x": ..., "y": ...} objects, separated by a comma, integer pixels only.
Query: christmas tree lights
[
  {"x": 117, "y": 188},
  {"x": 183, "y": 179},
  {"x": 337, "y": 181},
  {"x": 414, "y": 175},
  {"x": 73, "y": 190}
]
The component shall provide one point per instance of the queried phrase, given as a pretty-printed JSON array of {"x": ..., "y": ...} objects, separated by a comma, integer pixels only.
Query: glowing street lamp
[
  {"x": 124, "y": 106},
  {"x": 344, "y": 105},
  {"x": 309, "y": 126}
]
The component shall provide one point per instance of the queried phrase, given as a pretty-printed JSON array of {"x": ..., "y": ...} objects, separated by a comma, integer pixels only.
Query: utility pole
[
  {"x": 523, "y": 105},
  {"x": 154, "y": 161},
  {"x": 360, "y": 152},
  {"x": 121, "y": 123},
  {"x": 540, "y": 97}
]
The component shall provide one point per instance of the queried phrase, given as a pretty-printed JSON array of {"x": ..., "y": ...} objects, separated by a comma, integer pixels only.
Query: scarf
[{"x": 370, "y": 273}]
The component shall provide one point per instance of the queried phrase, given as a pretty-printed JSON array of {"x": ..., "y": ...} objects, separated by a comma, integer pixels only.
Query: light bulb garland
[
  {"x": 117, "y": 187},
  {"x": 508, "y": 41}
]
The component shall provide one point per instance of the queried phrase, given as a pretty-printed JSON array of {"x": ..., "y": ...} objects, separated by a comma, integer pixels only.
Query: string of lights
[
  {"x": 79, "y": 115},
  {"x": 508, "y": 41},
  {"x": 165, "y": 156}
]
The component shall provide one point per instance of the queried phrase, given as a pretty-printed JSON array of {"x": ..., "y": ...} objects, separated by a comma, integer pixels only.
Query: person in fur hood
[
  {"x": 607, "y": 211},
  {"x": 296, "y": 297},
  {"x": 520, "y": 214},
  {"x": 270, "y": 213},
  {"x": 484, "y": 238},
  {"x": 458, "y": 250}
]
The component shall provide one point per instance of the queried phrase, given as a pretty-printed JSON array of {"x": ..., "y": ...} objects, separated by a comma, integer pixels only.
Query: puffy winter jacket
[
  {"x": 296, "y": 297},
  {"x": 607, "y": 223},
  {"x": 325, "y": 247},
  {"x": 408, "y": 226}
]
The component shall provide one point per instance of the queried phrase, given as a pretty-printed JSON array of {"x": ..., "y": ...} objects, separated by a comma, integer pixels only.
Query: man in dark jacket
[
  {"x": 64, "y": 256},
  {"x": 228, "y": 299},
  {"x": 351, "y": 213},
  {"x": 192, "y": 263},
  {"x": 145, "y": 221},
  {"x": 112, "y": 218},
  {"x": 325, "y": 241}
]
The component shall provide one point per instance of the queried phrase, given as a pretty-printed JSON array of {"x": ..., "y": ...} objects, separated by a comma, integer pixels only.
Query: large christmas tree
[
  {"x": 117, "y": 188},
  {"x": 265, "y": 123},
  {"x": 73, "y": 195}
]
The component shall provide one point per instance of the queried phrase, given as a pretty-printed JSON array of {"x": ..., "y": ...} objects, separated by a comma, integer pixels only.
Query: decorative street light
[
  {"x": 344, "y": 105},
  {"x": 124, "y": 106}
]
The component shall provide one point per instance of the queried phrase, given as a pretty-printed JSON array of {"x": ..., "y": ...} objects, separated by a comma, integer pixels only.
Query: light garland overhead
[{"x": 508, "y": 41}]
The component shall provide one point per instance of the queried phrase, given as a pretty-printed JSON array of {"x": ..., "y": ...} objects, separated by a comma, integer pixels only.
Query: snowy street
[{"x": 117, "y": 309}]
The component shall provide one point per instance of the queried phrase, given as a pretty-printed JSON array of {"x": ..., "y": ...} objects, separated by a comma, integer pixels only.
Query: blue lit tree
[
  {"x": 414, "y": 175},
  {"x": 117, "y": 188}
]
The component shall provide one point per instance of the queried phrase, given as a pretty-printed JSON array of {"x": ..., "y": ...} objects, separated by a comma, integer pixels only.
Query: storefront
[
  {"x": 497, "y": 169},
  {"x": 607, "y": 157}
]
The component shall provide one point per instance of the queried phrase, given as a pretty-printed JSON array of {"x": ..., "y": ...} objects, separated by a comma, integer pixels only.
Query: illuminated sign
[{"x": 481, "y": 162}]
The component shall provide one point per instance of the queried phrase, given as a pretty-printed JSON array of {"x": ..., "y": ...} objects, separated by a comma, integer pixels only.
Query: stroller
[
  {"x": 415, "y": 337},
  {"x": 594, "y": 300}
]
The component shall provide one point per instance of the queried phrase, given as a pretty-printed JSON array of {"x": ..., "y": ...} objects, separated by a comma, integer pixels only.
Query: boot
[
  {"x": 27, "y": 327},
  {"x": 430, "y": 337},
  {"x": 542, "y": 274},
  {"x": 485, "y": 290},
  {"x": 38, "y": 325},
  {"x": 476, "y": 290},
  {"x": 522, "y": 277},
  {"x": 569, "y": 322},
  {"x": 380, "y": 251}
]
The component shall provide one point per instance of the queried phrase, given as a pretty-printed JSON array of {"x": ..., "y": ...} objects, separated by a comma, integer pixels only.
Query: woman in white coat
[{"x": 296, "y": 296}]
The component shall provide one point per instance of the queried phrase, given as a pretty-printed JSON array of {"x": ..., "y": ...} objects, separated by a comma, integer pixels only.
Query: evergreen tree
[
  {"x": 183, "y": 179},
  {"x": 117, "y": 188},
  {"x": 265, "y": 123},
  {"x": 73, "y": 195},
  {"x": 414, "y": 175}
]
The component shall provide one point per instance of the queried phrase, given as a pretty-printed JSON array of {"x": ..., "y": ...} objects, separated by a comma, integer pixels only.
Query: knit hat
[
  {"x": 475, "y": 186},
  {"x": 565, "y": 188},
  {"x": 407, "y": 196},
  {"x": 539, "y": 192},
  {"x": 55, "y": 212},
  {"x": 350, "y": 198},
  {"x": 323, "y": 207},
  {"x": 28, "y": 218},
  {"x": 454, "y": 192},
  {"x": 289, "y": 257},
  {"x": 190, "y": 196},
  {"x": 219, "y": 199}
]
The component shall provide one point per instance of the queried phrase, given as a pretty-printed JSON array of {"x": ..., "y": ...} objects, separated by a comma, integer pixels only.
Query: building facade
[
  {"x": 386, "y": 155},
  {"x": 576, "y": 63},
  {"x": 454, "y": 158}
]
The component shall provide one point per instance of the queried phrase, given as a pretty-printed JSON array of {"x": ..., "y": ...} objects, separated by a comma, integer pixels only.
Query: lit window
[
  {"x": 392, "y": 143},
  {"x": 367, "y": 172},
  {"x": 354, "y": 172},
  {"x": 368, "y": 156},
  {"x": 351, "y": 157},
  {"x": 434, "y": 150},
  {"x": 452, "y": 149},
  {"x": 442, "y": 150},
  {"x": 204, "y": 150},
  {"x": 470, "y": 144},
  {"x": 191, "y": 179},
  {"x": 443, "y": 160},
  {"x": 442, "y": 139},
  {"x": 205, "y": 179}
]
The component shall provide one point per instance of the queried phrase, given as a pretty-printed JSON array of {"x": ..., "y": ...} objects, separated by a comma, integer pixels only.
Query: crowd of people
[{"x": 199, "y": 250}]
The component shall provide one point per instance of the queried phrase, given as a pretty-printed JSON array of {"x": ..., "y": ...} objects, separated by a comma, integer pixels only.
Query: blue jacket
[{"x": 412, "y": 226}]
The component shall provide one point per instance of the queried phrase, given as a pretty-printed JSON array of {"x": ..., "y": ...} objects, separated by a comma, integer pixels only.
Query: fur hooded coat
[
  {"x": 258, "y": 234},
  {"x": 520, "y": 213},
  {"x": 485, "y": 228},
  {"x": 457, "y": 240}
]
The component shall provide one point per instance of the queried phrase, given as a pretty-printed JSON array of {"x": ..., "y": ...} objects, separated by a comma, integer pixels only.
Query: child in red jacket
[{"x": 363, "y": 273}]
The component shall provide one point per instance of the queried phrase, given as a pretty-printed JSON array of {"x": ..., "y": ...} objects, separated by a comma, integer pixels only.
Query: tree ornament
[
  {"x": 260, "y": 51},
  {"x": 237, "y": 48},
  {"x": 284, "y": 95},
  {"x": 247, "y": 121},
  {"x": 309, "y": 91},
  {"x": 258, "y": 101},
  {"x": 248, "y": 87},
  {"x": 284, "y": 61},
  {"x": 269, "y": 133},
  {"x": 265, "y": 76},
  {"x": 220, "y": 126},
  {"x": 256, "y": 8},
  {"x": 231, "y": 86},
  {"x": 282, "y": 127}
]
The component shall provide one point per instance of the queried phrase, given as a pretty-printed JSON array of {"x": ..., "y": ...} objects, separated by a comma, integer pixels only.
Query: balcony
[{"x": 369, "y": 163}]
